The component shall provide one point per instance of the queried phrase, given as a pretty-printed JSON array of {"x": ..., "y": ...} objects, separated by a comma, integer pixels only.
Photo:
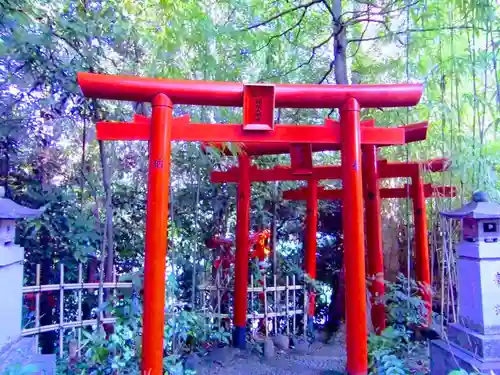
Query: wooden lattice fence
[
  {"x": 283, "y": 306},
  {"x": 76, "y": 321}
]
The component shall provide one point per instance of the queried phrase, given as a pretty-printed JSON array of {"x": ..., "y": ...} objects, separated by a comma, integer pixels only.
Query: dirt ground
[{"x": 317, "y": 359}]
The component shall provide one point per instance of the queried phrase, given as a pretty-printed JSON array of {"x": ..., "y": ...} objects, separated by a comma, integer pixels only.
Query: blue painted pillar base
[
  {"x": 310, "y": 325},
  {"x": 239, "y": 337}
]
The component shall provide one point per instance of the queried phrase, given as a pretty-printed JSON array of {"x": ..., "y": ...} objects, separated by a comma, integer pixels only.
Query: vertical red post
[
  {"x": 354, "y": 240},
  {"x": 242, "y": 245},
  {"x": 374, "y": 236},
  {"x": 310, "y": 240},
  {"x": 156, "y": 235},
  {"x": 423, "y": 273}
]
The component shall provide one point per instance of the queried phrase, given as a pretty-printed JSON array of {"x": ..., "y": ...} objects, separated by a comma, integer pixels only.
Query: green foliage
[
  {"x": 185, "y": 332},
  {"x": 393, "y": 351}
]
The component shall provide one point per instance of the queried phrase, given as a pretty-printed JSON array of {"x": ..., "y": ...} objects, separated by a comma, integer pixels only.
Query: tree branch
[
  {"x": 329, "y": 8},
  {"x": 327, "y": 73},
  {"x": 357, "y": 40},
  {"x": 382, "y": 13},
  {"x": 359, "y": 44},
  {"x": 297, "y": 24},
  {"x": 313, "y": 54},
  {"x": 291, "y": 10}
]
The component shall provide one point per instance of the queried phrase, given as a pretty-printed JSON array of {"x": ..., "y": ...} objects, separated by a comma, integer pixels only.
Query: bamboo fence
[
  {"x": 281, "y": 310},
  {"x": 63, "y": 288}
]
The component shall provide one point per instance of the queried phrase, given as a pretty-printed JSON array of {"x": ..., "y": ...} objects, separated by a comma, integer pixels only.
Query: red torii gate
[
  {"x": 380, "y": 169},
  {"x": 375, "y": 260},
  {"x": 258, "y": 102}
]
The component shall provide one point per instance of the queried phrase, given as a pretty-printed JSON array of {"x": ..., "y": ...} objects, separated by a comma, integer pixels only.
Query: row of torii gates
[{"x": 360, "y": 172}]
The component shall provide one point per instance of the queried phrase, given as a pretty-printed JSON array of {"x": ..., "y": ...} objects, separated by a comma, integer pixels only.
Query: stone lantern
[
  {"x": 474, "y": 342},
  {"x": 11, "y": 268}
]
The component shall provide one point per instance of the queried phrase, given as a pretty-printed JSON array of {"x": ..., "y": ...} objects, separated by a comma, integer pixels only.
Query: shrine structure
[{"x": 258, "y": 102}]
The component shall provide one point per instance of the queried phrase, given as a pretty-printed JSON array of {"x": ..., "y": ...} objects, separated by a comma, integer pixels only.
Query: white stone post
[{"x": 11, "y": 286}]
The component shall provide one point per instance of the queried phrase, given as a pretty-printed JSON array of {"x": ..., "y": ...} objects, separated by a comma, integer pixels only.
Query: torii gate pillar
[
  {"x": 374, "y": 236},
  {"x": 311, "y": 242},
  {"x": 156, "y": 233},
  {"x": 242, "y": 245},
  {"x": 354, "y": 239},
  {"x": 423, "y": 273}
]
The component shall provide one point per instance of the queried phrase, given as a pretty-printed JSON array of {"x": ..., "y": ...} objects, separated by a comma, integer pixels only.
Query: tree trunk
[
  {"x": 47, "y": 339},
  {"x": 106, "y": 180},
  {"x": 336, "y": 309},
  {"x": 339, "y": 44},
  {"x": 5, "y": 166}
]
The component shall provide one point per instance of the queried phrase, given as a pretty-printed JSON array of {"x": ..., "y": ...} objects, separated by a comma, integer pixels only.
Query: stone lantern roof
[
  {"x": 479, "y": 208},
  {"x": 11, "y": 210}
]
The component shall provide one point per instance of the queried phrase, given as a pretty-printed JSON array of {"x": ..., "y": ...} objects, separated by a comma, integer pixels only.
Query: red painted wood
[
  {"x": 258, "y": 107},
  {"x": 430, "y": 191},
  {"x": 138, "y": 130},
  {"x": 140, "y": 89},
  {"x": 301, "y": 159},
  {"x": 416, "y": 132},
  {"x": 183, "y": 130},
  {"x": 422, "y": 257},
  {"x": 407, "y": 169},
  {"x": 280, "y": 173},
  {"x": 242, "y": 243},
  {"x": 156, "y": 236},
  {"x": 413, "y": 133},
  {"x": 276, "y": 174},
  {"x": 436, "y": 165},
  {"x": 310, "y": 238},
  {"x": 373, "y": 221},
  {"x": 354, "y": 240}
]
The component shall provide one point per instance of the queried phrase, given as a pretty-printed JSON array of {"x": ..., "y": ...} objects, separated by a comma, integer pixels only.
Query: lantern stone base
[
  {"x": 484, "y": 346},
  {"x": 11, "y": 281},
  {"x": 446, "y": 357}
]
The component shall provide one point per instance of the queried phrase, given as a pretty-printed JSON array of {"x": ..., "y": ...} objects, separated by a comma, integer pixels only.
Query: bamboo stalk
[
  {"x": 76, "y": 286},
  {"x": 61, "y": 310},
  {"x": 37, "y": 304},
  {"x": 305, "y": 310},
  {"x": 276, "y": 305},
  {"x": 265, "y": 308},
  {"x": 79, "y": 312},
  {"x": 287, "y": 299},
  {"x": 256, "y": 289},
  {"x": 253, "y": 315},
  {"x": 217, "y": 284},
  {"x": 67, "y": 325},
  {"x": 195, "y": 250},
  {"x": 294, "y": 296},
  {"x": 442, "y": 288},
  {"x": 202, "y": 295},
  {"x": 115, "y": 283},
  {"x": 450, "y": 273},
  {"x": 251, "y": 296}
]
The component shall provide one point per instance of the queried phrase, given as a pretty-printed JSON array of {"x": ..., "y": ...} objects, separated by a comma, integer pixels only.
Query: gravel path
[{"x": 320, "y": 359}]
